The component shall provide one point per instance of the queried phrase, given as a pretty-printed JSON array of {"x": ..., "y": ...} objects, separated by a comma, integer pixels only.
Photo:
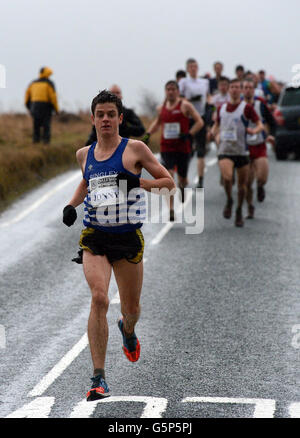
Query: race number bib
[
  {"x": 171, "y": 131},
  {"x": 229, "y": 135},
  {"x": 252, "y": 139},
  {"x": 104, "y": 191}
]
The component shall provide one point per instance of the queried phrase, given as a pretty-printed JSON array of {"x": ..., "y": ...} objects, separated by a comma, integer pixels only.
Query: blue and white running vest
[{"x": 104, "y": 207}]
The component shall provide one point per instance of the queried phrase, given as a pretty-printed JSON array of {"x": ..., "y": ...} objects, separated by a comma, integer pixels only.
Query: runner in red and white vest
[
  {"x": 176, "y": 135},
  {"x": 232, "y": 123},
  {"x": 259, "y": 165}
]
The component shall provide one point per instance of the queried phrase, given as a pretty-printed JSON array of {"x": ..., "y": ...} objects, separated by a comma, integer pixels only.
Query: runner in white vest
[
  {"x": 196, "y": 91},
  {"x": 232, "y": 123}
]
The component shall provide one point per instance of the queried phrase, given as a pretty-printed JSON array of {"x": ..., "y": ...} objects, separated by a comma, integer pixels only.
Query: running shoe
[
  {"x": 251, "y": 210},
  {"x": 261, "y": 194},
  {"x": 200, "y": 184},
  {"x": 98, "y": 390},
  {"x": 228, "y": 209},
  {"x": 131, "y": 345},
  {"x": 239, "y": 222}
]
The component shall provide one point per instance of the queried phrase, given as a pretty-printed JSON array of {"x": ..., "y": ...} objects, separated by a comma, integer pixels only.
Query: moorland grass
[{"x": 24, "y": 165}]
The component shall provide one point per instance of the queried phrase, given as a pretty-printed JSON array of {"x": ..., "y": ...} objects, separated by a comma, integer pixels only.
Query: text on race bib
[
  {"x": 171, "y": 131},
  {"x": 104, "y": 191},
  {"x": 229, "y": 134}
]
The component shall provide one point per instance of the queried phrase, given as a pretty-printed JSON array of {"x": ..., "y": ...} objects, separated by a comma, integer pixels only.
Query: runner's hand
[
  {"x": 132, "y": 181},
  {"x": 69, "y": 215},
  {"x": 270, "y": 139}
]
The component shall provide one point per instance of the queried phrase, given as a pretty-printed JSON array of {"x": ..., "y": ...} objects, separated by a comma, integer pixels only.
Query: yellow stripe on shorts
[{"x": 138, "y": 258}]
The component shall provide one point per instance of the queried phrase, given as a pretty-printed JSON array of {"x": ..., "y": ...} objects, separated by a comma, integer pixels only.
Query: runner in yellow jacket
[{"x": 41, "y": 100}]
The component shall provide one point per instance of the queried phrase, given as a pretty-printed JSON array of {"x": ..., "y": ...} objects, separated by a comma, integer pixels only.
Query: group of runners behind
[
  {"x": 195, "y": 111},
  {"x": 234, "y": 113}
]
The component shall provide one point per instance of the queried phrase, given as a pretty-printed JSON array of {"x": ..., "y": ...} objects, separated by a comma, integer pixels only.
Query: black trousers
[
  {"x": 41, "y": 114},
  {"x": 43, "y": 123}
]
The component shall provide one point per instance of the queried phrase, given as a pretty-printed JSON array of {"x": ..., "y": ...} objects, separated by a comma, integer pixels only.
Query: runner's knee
[{"x": 100, "y": 299}]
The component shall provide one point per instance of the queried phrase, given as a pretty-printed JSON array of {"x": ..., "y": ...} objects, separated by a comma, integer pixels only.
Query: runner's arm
[
  {"x": 81, "y": 190},
  {"x": 156, "y": 122},
  {"x": 79, "y": 194},
  {"x": 189, "y": 111},
  {"x": 259, "y": 128},
  {"x": 215, "y": 130},
  {"x": 146, "y": 159},
  {"x": 252, "y": 115}
]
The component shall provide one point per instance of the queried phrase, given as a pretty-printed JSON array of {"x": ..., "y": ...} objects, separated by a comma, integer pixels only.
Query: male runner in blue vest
[{"x": 111, "y": 240}]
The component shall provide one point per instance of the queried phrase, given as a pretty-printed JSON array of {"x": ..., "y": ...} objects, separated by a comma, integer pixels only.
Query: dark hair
[
  {"x": 235, "y": 80},
  {"x": 42, "y": 69},
  {"x": 219, "y": 62},
  {"x": 180, "y": 74},
  {"x": 223, "y": 79},
  {"x": 262, "y": 72},
  {"x": 239, "y": 67},
  {"x": 106, "y": 96},
  {"x": 249, "y": 80},
  {"x": 172, "y": 82},
  {"x": 190, "y": 61}
]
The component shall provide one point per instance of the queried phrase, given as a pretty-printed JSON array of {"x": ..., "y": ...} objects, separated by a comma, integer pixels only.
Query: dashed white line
[
  {"x": 164, "y": 231},
  {"x": 264, "y": 408}
]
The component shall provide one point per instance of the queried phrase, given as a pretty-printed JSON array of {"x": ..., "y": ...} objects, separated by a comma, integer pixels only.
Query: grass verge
[{"x": 24, "y": 165}]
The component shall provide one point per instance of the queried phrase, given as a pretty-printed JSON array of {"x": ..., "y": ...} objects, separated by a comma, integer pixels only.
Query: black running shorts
[
  {"x": 115, "y": 246},
  {"x": 238, "y": 160},
  {"x": 199, "y": 142},
  {"x": 180, "y": 160}
]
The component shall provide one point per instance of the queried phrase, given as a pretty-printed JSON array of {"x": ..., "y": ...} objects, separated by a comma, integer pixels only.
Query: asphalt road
[{"x": 220, "y": 322}]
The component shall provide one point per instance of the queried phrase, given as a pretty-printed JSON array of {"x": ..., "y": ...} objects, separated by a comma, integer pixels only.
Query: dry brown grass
[{"x": 24, "y": 165}]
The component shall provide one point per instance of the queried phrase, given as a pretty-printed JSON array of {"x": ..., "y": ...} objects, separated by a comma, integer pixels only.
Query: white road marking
[
  {"x": 2, "y": 337},
  {"x": 294, "y": 410},
  {"x": 40, "y": 201},
  {"x": 264, "y": 408},
  {"x": 296, "y": 338},
  {"x": 60, "y": 367},
  {"x": 164, "y": 231},
  {"x": 168, "y": 226},
  {"x": 38, "y": 408},
  {"x": 154, "y": 408}
]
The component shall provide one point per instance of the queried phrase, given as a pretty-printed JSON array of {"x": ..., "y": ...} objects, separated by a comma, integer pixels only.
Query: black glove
[
  {"x": 69, "y": 215},
  {"x": 132, "y": 181},
  {"x": 185, "y": 137},
  {"x": 146, "y": 138}
]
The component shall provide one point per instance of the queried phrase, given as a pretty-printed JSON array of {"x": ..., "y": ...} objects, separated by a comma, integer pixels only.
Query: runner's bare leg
[
  {"x": 129, "y": 278},
  {"x": 97, "y": 271}
]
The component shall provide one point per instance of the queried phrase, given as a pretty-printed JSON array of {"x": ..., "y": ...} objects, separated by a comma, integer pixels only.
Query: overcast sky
[{"x": 139, "y": 44}]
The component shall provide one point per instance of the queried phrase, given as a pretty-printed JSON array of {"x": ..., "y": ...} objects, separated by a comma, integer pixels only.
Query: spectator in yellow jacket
[{"x": 41, "y": 100}]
